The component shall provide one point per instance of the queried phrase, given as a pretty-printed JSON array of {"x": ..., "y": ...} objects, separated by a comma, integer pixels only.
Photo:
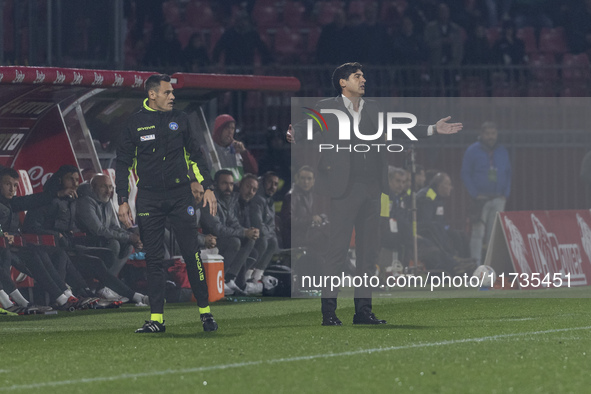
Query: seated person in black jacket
[
  {"x": 58, "y": 219},
  {"x": 234, "y": 241},
  {"x": 449, "y": 247},
  {"x": 34, "y": 260}
]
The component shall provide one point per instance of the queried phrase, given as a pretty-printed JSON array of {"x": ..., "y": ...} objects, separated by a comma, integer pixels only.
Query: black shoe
[
  {"x": 367, "y": 318},
  {"x": 208, "y": 321},
  {"x": 331, "y": 320},
  {"x": 151, "y": 326}
]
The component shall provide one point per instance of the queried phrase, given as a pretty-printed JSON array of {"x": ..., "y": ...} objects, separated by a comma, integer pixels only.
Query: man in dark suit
[{"x": 354, "y": 182}]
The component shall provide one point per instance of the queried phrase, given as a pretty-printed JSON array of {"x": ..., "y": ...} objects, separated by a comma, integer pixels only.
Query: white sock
[
  {"x": 257, "y": 275},
  {"x": 248, "y": 274},
  {"x": 61, "y": 300},
  {"x": 5, "y": 300},
  {"x": 137, "y": 297},
  {"x": 69, "y": 293},
  {"x": 18, "y": 297}
]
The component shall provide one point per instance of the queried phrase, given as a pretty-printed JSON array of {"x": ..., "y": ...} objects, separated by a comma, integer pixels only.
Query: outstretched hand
[
  {"x": 289, "y": 135},
  {"x": 442, "y": 127}
]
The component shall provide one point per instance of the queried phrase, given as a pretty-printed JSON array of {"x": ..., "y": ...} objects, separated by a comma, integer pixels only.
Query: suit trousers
[{"x": 359, "y": 210}]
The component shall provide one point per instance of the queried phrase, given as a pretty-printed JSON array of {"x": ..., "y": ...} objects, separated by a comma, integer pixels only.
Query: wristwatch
[{"x": 122, "y": 200}]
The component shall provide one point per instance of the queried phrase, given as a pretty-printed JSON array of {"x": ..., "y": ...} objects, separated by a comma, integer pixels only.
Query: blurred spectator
[
  {"x": 233, "y": 241},
  {"x": 238, "y": 46},
  {"x": 448, "y": 248},
  {"x": 303, "y": 221},
  {"x": 375, "y": 37},
  {"x": 477, "y": 48},
  {"x": 278, "y": 160},
  {"x": 486, "y": 172},
  {"x": 408, "y": 47},
  {"x": 232, "y": 154},
  {"x": 331, "y": 47},
  {"x": 147, "y": 10},
  {"x": 578, "y": 30},
  {"x": 96, "y": 217},
  {"x": 58, "y": 219},
  {"x": 422, "y": 12},
  {"x": 206, "y": 241},
  {"x": 164, "y": 49},
  {"x": 195, "y": 57},
  {"x": 263, "y": 217},
  {"x": 509, "y": 50},
  {"x": 444, "y": 39},
  {"x": 396, "y": 221},
  {"x": 468, "y": 13}
]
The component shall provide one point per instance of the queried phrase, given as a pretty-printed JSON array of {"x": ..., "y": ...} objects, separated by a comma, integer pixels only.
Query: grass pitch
[{"x": 488, "y": 344}]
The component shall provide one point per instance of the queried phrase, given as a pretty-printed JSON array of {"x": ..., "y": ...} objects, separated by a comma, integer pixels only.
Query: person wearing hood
[
  {"x": 486, "y": 173},
  {"x": 95, "y": 216},
  {"x": 232, "y": 154}
]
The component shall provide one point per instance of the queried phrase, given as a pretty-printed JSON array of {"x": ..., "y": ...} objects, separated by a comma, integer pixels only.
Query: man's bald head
[{"x": 102, "y": 186}]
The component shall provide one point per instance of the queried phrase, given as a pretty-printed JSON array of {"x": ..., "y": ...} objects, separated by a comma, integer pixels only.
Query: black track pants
[{"x": 151, "y": 216}]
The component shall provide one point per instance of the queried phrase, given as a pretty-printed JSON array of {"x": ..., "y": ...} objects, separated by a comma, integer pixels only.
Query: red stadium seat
[
  {"x": 288, "y": 44},
  {"x": 293, "y": 14},
  {"x": 553, "y": 41},
  {"x": 199, "y": 14},
  {"x": 326, "y": 11},
  {"x": 540, "y": 89},
  {"x": 356, "y": 7},
  {"x": 528, "y": 36},
  {"x": 575, "y": 68},
  {"x": 184, "y": 34},
  {"x": 543, "y": 67},
  {"x": 265, "y": 16},
  {"x": 472, "y": 87},
  {"x": 493, "y": 34}
]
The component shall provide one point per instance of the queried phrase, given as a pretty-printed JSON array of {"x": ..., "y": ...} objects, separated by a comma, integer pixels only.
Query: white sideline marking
[{"x": 282, "y": 360}]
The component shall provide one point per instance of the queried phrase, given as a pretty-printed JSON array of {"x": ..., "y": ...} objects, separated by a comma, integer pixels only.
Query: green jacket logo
[
  {"x": 146, "y": 128},
  {"x": 144, "y": 214}
]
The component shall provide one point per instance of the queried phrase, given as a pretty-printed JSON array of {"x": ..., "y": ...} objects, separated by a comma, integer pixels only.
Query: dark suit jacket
[{"x": 334, "y": 168}]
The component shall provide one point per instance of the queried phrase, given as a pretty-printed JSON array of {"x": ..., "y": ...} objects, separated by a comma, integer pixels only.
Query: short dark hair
[
  {"x": 437, "y": 179},
  {"x": 343, "y": 72},
  {"x": 249, "y": 176},
  {"x": 153, "y": 81},
  {"x": 305, "y": 168},
  {"x": 194, "y": 181},
  {"x": 488, "y": 125},
  {"x": 11, "y": 172},
  {"x": 268, "y": 175},
  {"x": 218, "y": 174}
]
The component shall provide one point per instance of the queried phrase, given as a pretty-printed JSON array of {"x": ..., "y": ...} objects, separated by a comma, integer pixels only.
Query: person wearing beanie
[{"x": 232, "y": 154}]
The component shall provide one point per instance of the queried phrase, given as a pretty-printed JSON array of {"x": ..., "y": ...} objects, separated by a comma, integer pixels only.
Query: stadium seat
[
  {"x": 288, "y": 45},
  {"x": 356, "y": 7},
  {"x": 543, "y": 67},
  {"x": 326, "y": 11},
  {"x": 199, "y": 15},
  {"x": 493, "y": 34},
  {"x": 472, "y": 87},
  {"x": 575, "y": 68},
  {"x": 553, "y": 41},
  {"x": 293, "y": 14},
  {"x": 540, "y": 89},
  {"x": 265, "y": 16},
  {"x": 184, "y": 34},
  {"x": 527, "y": 35}
]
